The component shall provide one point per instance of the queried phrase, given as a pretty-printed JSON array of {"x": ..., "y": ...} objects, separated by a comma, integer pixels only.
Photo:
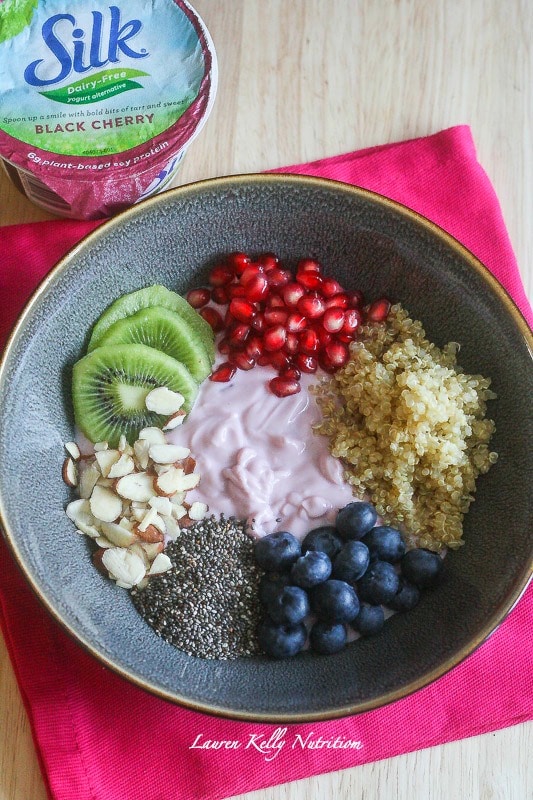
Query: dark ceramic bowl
[{"x": 367, "y": 242}]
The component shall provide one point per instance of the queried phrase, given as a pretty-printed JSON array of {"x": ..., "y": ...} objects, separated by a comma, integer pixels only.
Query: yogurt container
[{"x": 100, "y": 100}]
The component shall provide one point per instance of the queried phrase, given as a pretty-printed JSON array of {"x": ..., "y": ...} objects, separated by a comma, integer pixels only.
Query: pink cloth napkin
[{"x": 101, "y": 738}]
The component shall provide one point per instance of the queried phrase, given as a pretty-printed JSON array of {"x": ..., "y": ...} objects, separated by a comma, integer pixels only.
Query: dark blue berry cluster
[{"x": 342, "y": 574}]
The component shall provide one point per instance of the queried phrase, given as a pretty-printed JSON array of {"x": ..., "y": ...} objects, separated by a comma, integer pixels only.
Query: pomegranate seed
[
  {"x": 268, "y": 261},
  {"x": 345, "y": 337},
  {"x": 326, "y": 364},
  {"x": 229, "y": 319},
  {"x": 235, "y": 290},
  {"x": 223, "y": 346},
  {"x": 264, "y": 360},
  {"x": 352, "y": 320},
  {"x": 337, "y": 353},
  {"x": 254, "y": 347},
  {"x": 308, "y": 341},
  {"x": 238, "y": 262},
  {"x": 378, "y": 310},
  {"x": 292, "y": 373},
  {"x": 308, "y": 265},
  {"x": 311, "y": 280},
  {"x": 356, "y": 299},
  {"x": 283, "y": 387},
  {"x": 279, "y": 360},
  {"x": 251, "y": 272},
  {"x": 306, "y": 363},
  {"x": 256, "y": 289},
  {"x": 292, "y": 292},
  {"x": 258, "y": 323},
  {"x": 333, "y": 319},
  {"x": 278, "y": 277},
  {"x": 296, "y": 322},
  {"x": 311, "y": 306},
  {"x": 198, "y": 297},
  {"x": 241, "y": 360},
  {"x": 220, "y": 275},
  {"x": 219, "y": 294},
  {"x": 223, "y": 373},
  {"x": 212, "y": 316},
  {"x": 275, "y": 301},
  {"x": 338, "y": 301},
  {"x": 242, "y": 309},
  {"x": 330, "y": 287},
  {"x": 324, "y": 337},
  {"x": 292, "y": 345},
  {"x": 274, "y": 338},
  {"x": 238, "y": 334},
  {"x": 275, "y": 316}
]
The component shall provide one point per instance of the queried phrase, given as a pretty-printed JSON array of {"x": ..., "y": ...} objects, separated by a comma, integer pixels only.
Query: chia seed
[{"x": 208, "y": 604}]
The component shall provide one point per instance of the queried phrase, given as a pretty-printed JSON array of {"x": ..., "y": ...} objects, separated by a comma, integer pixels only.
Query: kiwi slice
[
  {"x": 150, "y": 296},
  {"x": 166, "y": 331},
  {"x": 109, "y": 388}
]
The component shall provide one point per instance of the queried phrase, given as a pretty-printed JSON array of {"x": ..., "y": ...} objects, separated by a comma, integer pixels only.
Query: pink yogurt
[{"x": 258, "y": 457}]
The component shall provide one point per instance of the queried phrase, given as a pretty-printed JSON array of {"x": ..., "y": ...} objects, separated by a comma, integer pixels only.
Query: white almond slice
[
  {"x": 126, "y": 523},
  {"x": 124, "y": 565},
  {"x": 152, "y": 549},
  {"x": 140, "y": 450},
  {"x": 188, "y": 482},
  {"x": 104, "y": 504},
  {"x": 178, "y": 498},
  {"x": 88, "y": 478},
  {"x": 175, "y": 420},
  {"x": 161, "y": 563},
  {"x": 148, "y": 519},
  {"x": 79, "y": 511},
  {"x": 168, "y": 483},
  {"x": 73, "y": 450},
  {"x": 137, "y": 550},
  {"x": 70, "y": 472},
  {"x": 100, "y": 446},
  {"x": 142, "y": 584},
  {"x": 164, "y": 401},
  {"x": 107, "y": 482},
  {"x": 168, "y": 453},
  {"x": 118, "y": 535},
  {"x": 104, "y": 543},
  {"x": 138, "y": 514},
  {"x": 178, "y": 512},
  {"x": 106, "y": 459},
  {"x": 162, "y": 505},
  {"x": 198, "y": 510},
  {"x": 137, "y": 486},
  {"x": 152, "y": 435},
  {"x": 172, "y": 530},
  {"x": 125, "y": 584},
  {"x": 123, "y": 466},
  {"x": 122, "y": 443},
  {"x": 159, "y": 469}
]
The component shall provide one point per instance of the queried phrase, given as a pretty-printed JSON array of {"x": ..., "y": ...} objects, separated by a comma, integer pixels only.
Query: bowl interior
[{"x": 366, "y": 243}]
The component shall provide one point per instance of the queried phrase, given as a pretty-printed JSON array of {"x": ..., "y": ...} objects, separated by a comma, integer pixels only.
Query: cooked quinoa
[{"x": 410, "y": 426}]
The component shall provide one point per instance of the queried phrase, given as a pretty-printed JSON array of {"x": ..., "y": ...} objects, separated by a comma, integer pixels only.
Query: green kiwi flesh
[
  {"x": 166, "y": 331},
  {"x": 155, "y": 295},
  {"x": 109, "y": 388}
]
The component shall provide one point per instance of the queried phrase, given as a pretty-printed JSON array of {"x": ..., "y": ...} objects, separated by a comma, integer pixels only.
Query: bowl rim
[{"x": 271, "y": 179}]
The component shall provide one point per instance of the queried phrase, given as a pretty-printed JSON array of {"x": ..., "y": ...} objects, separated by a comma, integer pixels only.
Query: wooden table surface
[{"x": 304, "y": 79}]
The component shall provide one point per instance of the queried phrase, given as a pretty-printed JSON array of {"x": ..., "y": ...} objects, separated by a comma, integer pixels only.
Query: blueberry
[
  {"x": 324, "y": 539},
  {"x": 334, "y": 601},
  {"x": 271, "y": 584},
  {"x": 406, "y": 597},
  {"x": 311, "y": 569},
  {"x": 281, "y": 641},
  {"x": 356, "y": 519},
  {"x": 277, "y": 552},
  {"x": 385, "y": 544},
  {"x": 327, "y": 637},
  {"x": 422, "y": 567},
  {"x": 352, "y": 562},
  {"x": 289, "y": 606},
  {"x": 379, "y": 584},
  {"x": 369, "y": 621}
]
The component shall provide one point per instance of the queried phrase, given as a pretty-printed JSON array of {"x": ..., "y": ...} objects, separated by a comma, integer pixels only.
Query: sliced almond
[
  {"x": 152, "y": 435},
  {"x": 178, "y": 498},
  {"x": 168, "y": 453},
  {"x": 152, "y": 549},
  {"x": 107, "y": 482},
  {"x": 175, "y": 420},
  {"x": 73, "y": 450},
  {"x": 106, "y": 459},
  {"x": 122, "y": 443},
  {"x": 162, "y": 505},
  {"x": 198, "y": 510},
  {"x": 79, "y": 511},
  {"x": 88, "y": 478},
  {"x": 138, "y": 514},
  {"x": 172, "y": 530},
  {"x": 188, "y": 482},
  {"x": 118, "y": 535},
  {"x": 140, "y": 450},
  {"x": 179, "y": 511},
  {"x": 125, "y": 523},
  {"x": 164, "y": 401},
  {"x": 168, "y": 483},
  {"x": 149, "y": 534},
  {"x": 100, "y": 446},
  {"x": 70, "y": 472},
  {"x": 105, "y": 504},
  {"x": 123, "y": 466},
  {"x": 137, "y": 486},
  {"x": 104, "y": 543},
  {"x": 161, "y": 563},
  {"x": 142, "y": 584},
  {"x": 147, "y": 519},
  {"x": 124, "y": 565}
]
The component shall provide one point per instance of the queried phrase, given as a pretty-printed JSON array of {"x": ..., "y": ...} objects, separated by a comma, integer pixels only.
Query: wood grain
[{"x": 305, "y": 79}]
